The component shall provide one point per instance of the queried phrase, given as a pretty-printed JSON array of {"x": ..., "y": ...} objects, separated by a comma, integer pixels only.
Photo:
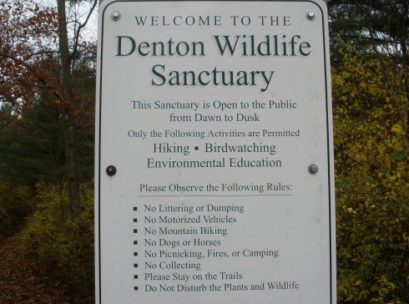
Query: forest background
[{"x": 47, "y": 97}]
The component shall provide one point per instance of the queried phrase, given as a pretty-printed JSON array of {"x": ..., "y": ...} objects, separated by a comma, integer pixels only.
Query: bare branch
[{"x": 80, "y": 27}]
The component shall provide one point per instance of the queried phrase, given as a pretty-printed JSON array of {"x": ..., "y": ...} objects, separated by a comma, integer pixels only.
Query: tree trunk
[{"x": 72, "y": 166}]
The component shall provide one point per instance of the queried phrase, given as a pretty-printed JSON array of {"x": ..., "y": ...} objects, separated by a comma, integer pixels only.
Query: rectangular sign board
[{"x": 214, "y": 165}]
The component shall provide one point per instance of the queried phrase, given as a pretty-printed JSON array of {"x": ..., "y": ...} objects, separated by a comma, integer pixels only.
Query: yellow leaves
[
  {"x": 351, "y": 211},
  {"x": 398, "y": 129},
  {"x": 372, "y": 178},
  {"x": 337, "y": 80}
]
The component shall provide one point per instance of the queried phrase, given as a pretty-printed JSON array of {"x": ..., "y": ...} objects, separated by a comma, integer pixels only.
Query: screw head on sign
[
  {"x": 116, "y": 16},
  {"x": 310, "y": 15},
  {"x": 111, "y": 170},
  {"x": 313, "y": 169}
]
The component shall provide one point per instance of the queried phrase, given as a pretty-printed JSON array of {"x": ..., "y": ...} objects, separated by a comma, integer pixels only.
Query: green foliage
[
  {"x": 372, "y": 24},
  {"x": 15, "y": 205},
  {"x": 372, "y": 179},
  {"x": 31, "y": 148},
  {"x": 61, "y": 246}
]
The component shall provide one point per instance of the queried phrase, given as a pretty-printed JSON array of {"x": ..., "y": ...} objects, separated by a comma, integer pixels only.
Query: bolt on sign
[{"x": 214, "y": 166}]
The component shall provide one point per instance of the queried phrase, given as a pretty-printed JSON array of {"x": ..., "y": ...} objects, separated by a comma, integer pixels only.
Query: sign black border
[{"x": 101, "y": 53}]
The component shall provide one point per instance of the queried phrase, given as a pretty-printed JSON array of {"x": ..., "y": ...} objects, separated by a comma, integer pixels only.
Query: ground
[{"x": 21, "y": 281}]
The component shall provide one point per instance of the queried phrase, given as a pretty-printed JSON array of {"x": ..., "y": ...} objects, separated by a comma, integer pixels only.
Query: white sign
[{"x": 214, "y": 167}]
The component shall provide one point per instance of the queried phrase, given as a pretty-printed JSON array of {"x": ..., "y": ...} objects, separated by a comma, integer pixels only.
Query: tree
[
  {"x": 27, "y": 33},
  {"x": 377, "y": 24},
  {"x": 42, "y": 68},
  {"x": 372, "y": 178},
  {"x": 380, "y": 27},
  {"x": 71, "y": 144}
]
